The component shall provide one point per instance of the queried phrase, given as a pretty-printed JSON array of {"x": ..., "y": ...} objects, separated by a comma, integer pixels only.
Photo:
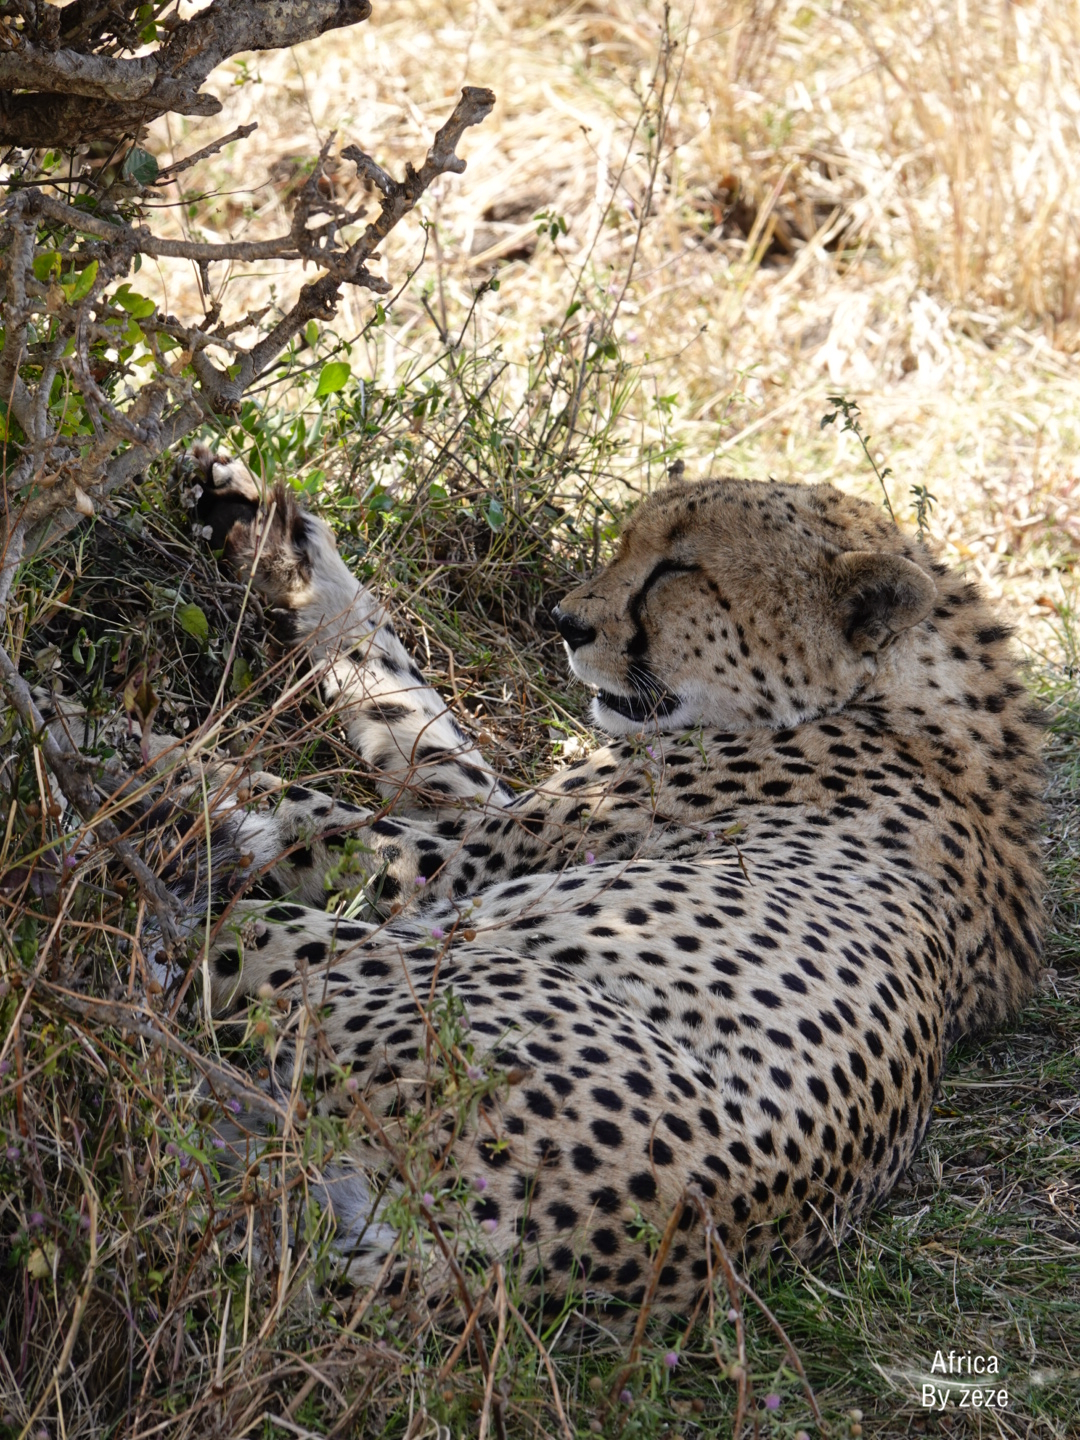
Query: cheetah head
[{"x": 741, "y": 604}]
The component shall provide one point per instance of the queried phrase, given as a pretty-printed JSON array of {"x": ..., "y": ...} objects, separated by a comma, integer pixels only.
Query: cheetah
[{"x": 712, "y": 970}]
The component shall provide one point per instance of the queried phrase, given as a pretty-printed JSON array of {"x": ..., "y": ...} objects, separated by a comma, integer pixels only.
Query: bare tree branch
[
  {"x": 69, "y": 72},
  {"x": 71, "y": 490},
  {"x": 67, "y": 109},
  {"x": 140, "y": 241},
  {"x": 170, "y": 172}
]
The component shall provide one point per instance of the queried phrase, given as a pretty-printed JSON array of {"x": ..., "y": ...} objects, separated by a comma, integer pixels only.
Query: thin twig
[
  {"x": 440, "y": 1239},
  {"x": 79, "y": 1309},
  {"x": 149, "y": 1026},
  {"x": 541, "y": 1348},
  {"x": 81, "y": 796},
  {"x": 575, "y": 404},
  {"x": 493, "y": 1405},
  {"x": 170, "y": 172},
  {"x": 627, "y": 1369},
  {"x": 782, "y": 1336},
  {"x": 141, "y": 241},
  {"x": 742, "y": 1378},
  {"x": 463, "y": 1339}
]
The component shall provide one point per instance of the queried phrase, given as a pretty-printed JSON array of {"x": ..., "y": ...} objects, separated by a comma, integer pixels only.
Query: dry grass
[{"x": 799, "y": 201}]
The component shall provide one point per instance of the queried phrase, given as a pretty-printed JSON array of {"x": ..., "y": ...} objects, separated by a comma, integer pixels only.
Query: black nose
[{"x": 574, "y": 631}]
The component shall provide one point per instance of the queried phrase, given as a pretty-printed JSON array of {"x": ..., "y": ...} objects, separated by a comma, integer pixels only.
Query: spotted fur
[{"x": 724, "y": 956}]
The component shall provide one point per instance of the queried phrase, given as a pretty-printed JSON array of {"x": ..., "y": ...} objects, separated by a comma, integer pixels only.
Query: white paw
[{"x": 226, "y": 474}]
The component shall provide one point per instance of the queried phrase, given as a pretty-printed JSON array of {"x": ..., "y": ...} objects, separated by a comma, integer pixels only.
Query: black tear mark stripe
[{"x": 639, "y": 643}]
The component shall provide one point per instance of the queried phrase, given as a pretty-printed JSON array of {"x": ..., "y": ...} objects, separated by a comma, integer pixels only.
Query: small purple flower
[
  {"x": 218, "y": 1143},
  {"x": 428, "y": 1199},
  {"x": 421, "y": 879},
  {"x": 71, "y": 862},
  {"x": 671, "y": 1359},
  {"x": 5, "y": 1066},
  {"x": 36, "y": 1219},
  {"x": 650, "y": 752},
  {"x": 489, "y": 1225},
  {"x": 474, "y": 1073},
  {"x": 772, "y": 1402},
  {"x": 438, "y": 933},
  {"x": 626, "y": 1396},
  {"x": 481, "y": 1183},
  {"x": 710, "y": 834},
  {"x": 170, "y": 1149},
  {"x": 352, "y": 1084},
  {"x": 234, "y": 1106},
  {"x": 84, "y": 1222},
  {"x": 733, "y": 1315},
  {"x": 590, "y": 858},
  {"x": 13, "y": 1152}
]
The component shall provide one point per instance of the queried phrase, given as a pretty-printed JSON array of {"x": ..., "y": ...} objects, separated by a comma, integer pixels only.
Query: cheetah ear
[{"x": 877, "y": 595}]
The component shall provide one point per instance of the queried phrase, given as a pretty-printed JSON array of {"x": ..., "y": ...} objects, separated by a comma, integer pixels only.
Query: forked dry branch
[
  {"x": 52, "y": 479},
  {"x": 84, "y": 412}
]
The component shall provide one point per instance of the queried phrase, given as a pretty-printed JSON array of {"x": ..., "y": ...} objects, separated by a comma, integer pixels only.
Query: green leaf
[
  {"x": 334, "y": 377},
  {"x": 311, "y": 333},
  {"x": 83, "y": 285},
  {"x": 47, "y": 265},
  {"x": 494, "y": 514},
  {"x": 139, "y": 165},
  {"x": 136, "y": 305},
  {"x": 241, "y": 678},
  {"x": 192, "y": 620}
]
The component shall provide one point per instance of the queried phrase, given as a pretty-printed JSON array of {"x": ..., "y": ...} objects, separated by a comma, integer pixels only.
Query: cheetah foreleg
[{"x": 401, "y": 727}]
